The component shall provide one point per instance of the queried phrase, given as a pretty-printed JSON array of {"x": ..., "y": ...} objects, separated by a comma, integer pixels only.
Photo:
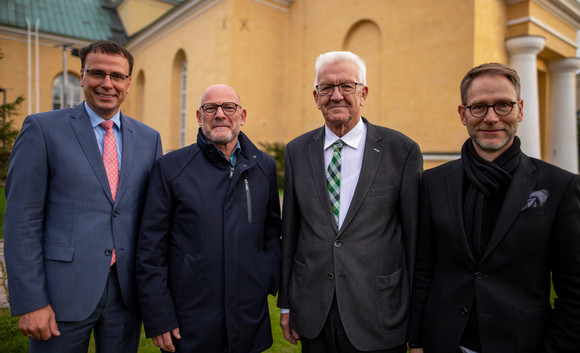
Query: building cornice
[
  {"x": 552, "y": 31},
  {"x": 567, "y": 11},
  {"x": 46, "y": 39},
  {"x": 283, "y": 5},
  {"x": 172, "y": 20}
]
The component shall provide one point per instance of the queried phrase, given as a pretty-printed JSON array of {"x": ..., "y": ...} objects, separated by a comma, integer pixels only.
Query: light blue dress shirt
[
  {"x": 96, "y": 120},
  {"x": 234, "y": 155}
]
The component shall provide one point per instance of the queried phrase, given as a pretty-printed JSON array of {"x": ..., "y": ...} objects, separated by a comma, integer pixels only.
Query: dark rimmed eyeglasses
[
  {"x": 98, "y": 75},
  {"x": 345, "y": 88},
  {"x": 480, "y": 110},
  {"x": 210, "y": 109}
]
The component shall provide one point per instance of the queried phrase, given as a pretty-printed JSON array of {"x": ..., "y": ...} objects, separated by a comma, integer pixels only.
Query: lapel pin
[{"x": 376, "y": 150}]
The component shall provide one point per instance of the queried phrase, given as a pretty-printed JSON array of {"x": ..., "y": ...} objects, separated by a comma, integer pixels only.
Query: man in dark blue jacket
[{"x": 209, "y": 248}]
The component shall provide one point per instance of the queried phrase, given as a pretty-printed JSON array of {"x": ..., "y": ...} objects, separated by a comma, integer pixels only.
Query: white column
[
  {"x": 522, "y": 52},
  {"x": 562, "y": 140}
]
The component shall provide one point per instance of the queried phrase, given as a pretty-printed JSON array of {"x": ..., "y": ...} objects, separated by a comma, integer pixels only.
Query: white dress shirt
[{"x": 352, "y": 158}]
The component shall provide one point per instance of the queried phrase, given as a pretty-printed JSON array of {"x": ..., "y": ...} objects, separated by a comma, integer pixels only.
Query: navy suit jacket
[
  {"x": 61, "y": 222},
  {"x": 511, "y": 283}
]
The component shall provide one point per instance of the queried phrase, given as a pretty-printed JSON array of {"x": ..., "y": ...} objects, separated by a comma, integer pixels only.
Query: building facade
[{"x": 416, "y": 53}]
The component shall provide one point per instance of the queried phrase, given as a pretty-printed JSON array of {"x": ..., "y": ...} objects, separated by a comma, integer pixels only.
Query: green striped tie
[{"x": 333, "y": 178}]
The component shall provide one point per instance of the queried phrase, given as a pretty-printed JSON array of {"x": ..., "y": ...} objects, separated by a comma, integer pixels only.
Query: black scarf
[{"x": 486, "y": 181}]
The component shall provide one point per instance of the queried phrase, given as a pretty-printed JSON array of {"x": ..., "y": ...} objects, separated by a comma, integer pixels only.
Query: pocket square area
[{"x": 537, "y": 198}]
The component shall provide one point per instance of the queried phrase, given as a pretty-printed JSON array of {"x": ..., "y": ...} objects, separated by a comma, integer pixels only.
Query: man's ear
[
  {"x": 243, "y": 117},
  {"x": 364, "y": 94},
  {"x": 198, "y": 114},
  {"x": 461, "y": 111},
  {"x": 520, "y": 105},
  {"x": 316, "y": 98}
]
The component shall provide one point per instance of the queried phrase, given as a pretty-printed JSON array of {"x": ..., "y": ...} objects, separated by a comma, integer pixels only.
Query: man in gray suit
[
  {"x": 349, "y": 230},
  {"x": 74, "y": 193}
]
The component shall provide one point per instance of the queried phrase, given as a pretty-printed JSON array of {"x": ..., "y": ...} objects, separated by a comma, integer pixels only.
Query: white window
[
  {"x": 67, "y": 95},
  {"x": 183, "y": 111}
]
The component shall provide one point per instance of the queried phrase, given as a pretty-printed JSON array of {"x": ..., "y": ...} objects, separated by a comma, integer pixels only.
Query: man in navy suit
[
  {"x": 495, "y": 225},
  {"x": 70, "y": 226}
]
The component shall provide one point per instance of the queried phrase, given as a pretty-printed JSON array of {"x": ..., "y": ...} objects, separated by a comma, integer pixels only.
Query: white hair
[{"x": 341, "y": 56}]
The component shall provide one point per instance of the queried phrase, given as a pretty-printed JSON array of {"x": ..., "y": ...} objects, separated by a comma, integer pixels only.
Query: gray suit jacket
[
  {"x": 369, "y": 262},
  {"x": 61, "y": 223}
]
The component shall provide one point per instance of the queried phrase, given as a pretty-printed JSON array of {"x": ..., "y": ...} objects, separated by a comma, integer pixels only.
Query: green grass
[
  {"x": 280, "y": 345},
  {"x": 11, "y": 340}
]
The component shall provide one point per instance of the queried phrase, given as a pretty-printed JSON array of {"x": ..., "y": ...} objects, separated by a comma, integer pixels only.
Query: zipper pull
[{"x": 248, "y": 200}]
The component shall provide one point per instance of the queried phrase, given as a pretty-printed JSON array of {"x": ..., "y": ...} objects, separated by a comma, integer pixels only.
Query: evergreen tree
[{"x": 7, "y": 131}]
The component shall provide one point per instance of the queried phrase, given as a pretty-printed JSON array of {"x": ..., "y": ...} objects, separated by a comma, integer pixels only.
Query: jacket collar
[{"x": 249, "y": 152}]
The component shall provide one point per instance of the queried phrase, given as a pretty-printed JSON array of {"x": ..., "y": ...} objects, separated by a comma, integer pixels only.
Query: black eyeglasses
[
  {"x": 479, "y": 110},
  {"x": 98, "y": 75},
  {"x": 345, "y": 88},
  {"x": 210, "y": 109}
]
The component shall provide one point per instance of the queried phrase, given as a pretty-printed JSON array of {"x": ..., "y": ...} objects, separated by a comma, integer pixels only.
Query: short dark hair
[
  {"x": 489, "y": 69},
  {"x": 106, "y": 47}
]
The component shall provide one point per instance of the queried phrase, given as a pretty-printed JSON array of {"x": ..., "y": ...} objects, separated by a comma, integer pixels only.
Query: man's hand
[
  {"x": 289, "y": 334},
  {"x": 165, "y": 342},
  {"x": 39, "y": 324}
]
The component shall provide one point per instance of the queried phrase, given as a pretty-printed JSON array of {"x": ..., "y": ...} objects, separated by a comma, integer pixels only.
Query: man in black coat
[
  {"x": 209, "y": 248},
  {"x": 494, "y": 226}
]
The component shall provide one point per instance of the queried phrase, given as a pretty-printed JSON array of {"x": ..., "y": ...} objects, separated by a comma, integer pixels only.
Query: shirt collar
[
  {"x": 234, "y": 155},
  {"x": 351, "y": 139},
  {"x": 97, "y": 120}
]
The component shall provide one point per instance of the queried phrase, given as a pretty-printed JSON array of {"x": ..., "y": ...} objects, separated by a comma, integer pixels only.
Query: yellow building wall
[
  {"x": 238, "y": 45},
  {"x": 416, "y": 52},
  {"x": 545, "y": 24},
  {"x": 14, "y": 76},
  {"x": 137, "y": 14},
  {"x": 413, "y": 77}
]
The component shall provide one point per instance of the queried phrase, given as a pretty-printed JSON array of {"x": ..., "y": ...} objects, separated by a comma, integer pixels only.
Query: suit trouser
[
  {"x": 333, "y": 338},
  {"x": 116, "y": 328}
]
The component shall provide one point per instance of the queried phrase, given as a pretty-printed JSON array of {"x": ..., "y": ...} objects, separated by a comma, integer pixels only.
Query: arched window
[
  {"x": 178, "y": 99},
  {"x": 67, "y": 95}
]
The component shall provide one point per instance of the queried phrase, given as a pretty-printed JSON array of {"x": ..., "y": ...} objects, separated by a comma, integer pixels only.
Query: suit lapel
[
  {"x": 316, "y": 153},
  {"x": 127, "y": 130},
  {"x": 455, "y": 194},
  {"x": 81, "y": 125},
  {"x": 521, "y": 186},
  {"x": 374, "y": 149}
]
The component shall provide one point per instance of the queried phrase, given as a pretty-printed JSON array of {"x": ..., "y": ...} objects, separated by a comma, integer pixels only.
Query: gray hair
[{"x": 341, "y": 56}]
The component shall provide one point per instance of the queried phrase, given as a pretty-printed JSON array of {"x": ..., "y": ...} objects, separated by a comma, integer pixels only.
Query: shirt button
[
  {"x": 331, "y": 276},
  {"x": 337, "y": 244},
  {"x": 108, "y": 252},
  {"x": 115, "y": 213},
  {"x": 478, "y": 275}
]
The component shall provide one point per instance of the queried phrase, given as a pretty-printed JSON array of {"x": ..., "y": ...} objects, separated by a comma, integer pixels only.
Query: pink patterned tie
[{"x": 111, "y": 162}]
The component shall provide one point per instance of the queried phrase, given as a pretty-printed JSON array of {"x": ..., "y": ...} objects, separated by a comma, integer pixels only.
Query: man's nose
[
  {"x": 491, "y": 116},
  {"x": 220, "y": 113},
  {"x": 336, "y": 94}
]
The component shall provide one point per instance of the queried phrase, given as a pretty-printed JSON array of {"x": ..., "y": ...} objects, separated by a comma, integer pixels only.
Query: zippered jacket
[{"x": 209, "y": 248}]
